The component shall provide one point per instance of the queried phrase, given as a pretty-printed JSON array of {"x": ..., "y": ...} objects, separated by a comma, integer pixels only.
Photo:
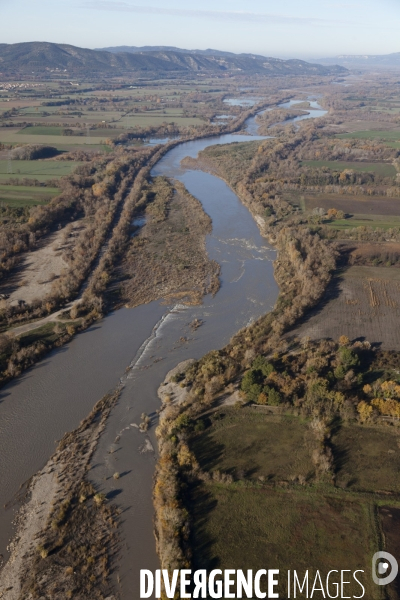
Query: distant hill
[
  {"x": 45, "y": 57},
  {"x": 364, "y": 61},
  {"x": 208, "y": 52}
]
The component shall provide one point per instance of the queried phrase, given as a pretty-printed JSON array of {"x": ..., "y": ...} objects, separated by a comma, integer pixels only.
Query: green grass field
[
  {"x": 371, "y": 458},
  {"x": 385, "y": 109},
  {"x": 362, "y": 272},
  {"x": 57, "y": 131},
  {"x": 247, "y": 528},
  {"x": 58, "y": 141},
  {"x": 264, "y": 519},
  {"x": 225, "y": 446},
  {"x": 38, "y": 110},
  {"x": 44, "y": 332},
  {"x": 395, "y": 145},
  {"x": 384, "y": 169},
  {"x": 382, "y": 222},
  {"x": 371, "y": 135},
  {"x": 100, "y": 115},
  {"x": 42, "y": 170},
  {"x": 18, "y": 195},
  {"x": 41, "y": 130}
]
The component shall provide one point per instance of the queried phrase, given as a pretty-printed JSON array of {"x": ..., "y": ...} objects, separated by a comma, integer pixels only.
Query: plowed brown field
[{"x": 360, "y": 302}]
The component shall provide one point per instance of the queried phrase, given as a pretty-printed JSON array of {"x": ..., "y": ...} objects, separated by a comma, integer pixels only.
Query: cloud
[{"x": 240, "y": 16}]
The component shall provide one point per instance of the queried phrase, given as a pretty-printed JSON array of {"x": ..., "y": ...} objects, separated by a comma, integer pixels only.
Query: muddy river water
[{"x": 138, "y": 347}]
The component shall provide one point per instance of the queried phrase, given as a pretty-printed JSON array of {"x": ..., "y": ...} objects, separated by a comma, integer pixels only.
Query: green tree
[
  {"x": 274, "y": 397},
  {"x": 260, "y": 364},
  {"x": 348, "y": 358}
]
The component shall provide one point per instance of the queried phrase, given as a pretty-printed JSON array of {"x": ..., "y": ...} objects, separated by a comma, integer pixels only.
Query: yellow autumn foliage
[
  {"x": 185, "y": 457},
  {"x": 390, "y": 389},
  {"x": 364, "y": 410},
  {"x": 390, "y": 406}
]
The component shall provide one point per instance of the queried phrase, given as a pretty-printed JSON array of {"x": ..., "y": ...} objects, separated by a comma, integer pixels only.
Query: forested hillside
[{"x": 42, "y": 57}]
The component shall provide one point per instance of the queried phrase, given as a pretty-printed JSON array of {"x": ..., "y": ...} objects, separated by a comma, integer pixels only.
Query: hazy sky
[{"x": 298, "y": 28}]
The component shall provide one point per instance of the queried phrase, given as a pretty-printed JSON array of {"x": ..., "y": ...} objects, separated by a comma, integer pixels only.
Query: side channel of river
[{"x": 52, "y": 397}]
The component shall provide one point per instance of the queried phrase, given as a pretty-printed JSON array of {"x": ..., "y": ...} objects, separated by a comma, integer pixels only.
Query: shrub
[
  {"x": 99, "y": 499},
  {"x": 182, "y": 422},
  {"x": 177, "y": 378},
  {"x": 43, "y": 551},
  {"x": 200, "y": 425}
]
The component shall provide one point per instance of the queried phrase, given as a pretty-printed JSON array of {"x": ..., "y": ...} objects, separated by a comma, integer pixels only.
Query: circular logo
[{"x": 381, "y": 567}]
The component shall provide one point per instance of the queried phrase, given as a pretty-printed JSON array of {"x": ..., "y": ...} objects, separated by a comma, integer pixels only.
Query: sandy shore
[
  {"x": 170, "y": 391},
  {"x": 35, "y": 560},
  {"x": 31, "y": 519}
]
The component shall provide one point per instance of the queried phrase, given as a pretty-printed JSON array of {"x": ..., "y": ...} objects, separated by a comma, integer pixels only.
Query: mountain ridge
[
  {"x": 47, "y": 57},
  {"x": 207, "y": 52}
]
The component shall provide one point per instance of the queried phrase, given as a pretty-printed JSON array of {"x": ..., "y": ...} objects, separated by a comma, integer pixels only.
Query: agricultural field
[
  {"x": 384, "y": 254},
  {"x": 14, "y": 138},
  {"x": 383, "y": 169},
  {"x": 372, "y": 134},
  {"x": 386, "y": 109},
  {"x": 372, "y": 460},
  {"x": 19, "y": 195},
  {"x": 152, "y": 119},
  {"x": 41, "y": 130},
  {"x": 370, "y": 207},
  {"x": 222, "y": 447},
  {"x": 96, "y": 105},
  {"x": 378, "y": 221},
  {"x": 107, "y": 113},
  {"x": 360, "y": 302},
  {"x": 245, "y": 528},
  {"x": 259, "y": 521},
  {"x": 42, "y": 170},
  {"x": 58, "y": 131}
]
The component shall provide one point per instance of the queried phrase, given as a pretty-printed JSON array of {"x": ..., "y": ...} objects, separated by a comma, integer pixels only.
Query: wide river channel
[{"x": 136, "y": 347}]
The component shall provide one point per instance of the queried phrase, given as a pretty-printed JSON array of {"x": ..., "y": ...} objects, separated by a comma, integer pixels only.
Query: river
[{"x": 55, "y": 395}]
